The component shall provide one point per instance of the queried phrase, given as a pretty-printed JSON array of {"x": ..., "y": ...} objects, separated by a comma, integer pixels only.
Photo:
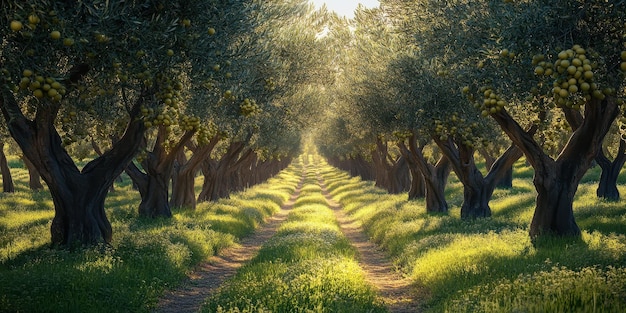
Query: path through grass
[
  {"x": 490, "y": 265},
  {"x": 396, "y": 291},
  {"x": 209, "y": 275},
  {"x": 308, "y": 266},
  {"x": 145, "y": 257}
]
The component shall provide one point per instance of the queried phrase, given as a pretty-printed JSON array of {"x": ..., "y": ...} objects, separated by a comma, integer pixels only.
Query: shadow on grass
[
  {"x": 49, "y": 280},
  {"x": 456, "y": 271},
  {"x": 606, "y": 227},
  {"x": 450, "y": 256}
]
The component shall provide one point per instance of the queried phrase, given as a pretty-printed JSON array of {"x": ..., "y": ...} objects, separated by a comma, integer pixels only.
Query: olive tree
[
  {"x": 104, "y": 59},
  {"x": 519, "y": 66}
]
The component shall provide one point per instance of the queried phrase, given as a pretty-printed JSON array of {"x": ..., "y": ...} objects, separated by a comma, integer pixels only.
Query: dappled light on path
[
  {"x": 210, "y": 275},
  {"x": 397, "y": 292}
]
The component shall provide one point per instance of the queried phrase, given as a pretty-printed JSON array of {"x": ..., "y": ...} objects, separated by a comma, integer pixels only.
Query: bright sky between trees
[{"x": 345, "y": 7}]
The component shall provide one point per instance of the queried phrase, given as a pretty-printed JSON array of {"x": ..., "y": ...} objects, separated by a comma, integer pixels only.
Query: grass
[
  {"x": 308, "y": 266},
  {"x": 482, "y": 265},
  {"x": 145, "y": 257},
  {"x": 490, "y": 265}
]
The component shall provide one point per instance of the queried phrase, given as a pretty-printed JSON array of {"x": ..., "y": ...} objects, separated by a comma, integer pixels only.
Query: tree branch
[{"x": 522, "y": 139}]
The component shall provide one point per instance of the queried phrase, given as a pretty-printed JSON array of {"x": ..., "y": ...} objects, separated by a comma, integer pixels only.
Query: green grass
[
  {"x": 490, "y": 265},
  {"x": 483, "y": 265},
  {"x": 308, "y": 266},
  {"x": 145, "y": 257}
]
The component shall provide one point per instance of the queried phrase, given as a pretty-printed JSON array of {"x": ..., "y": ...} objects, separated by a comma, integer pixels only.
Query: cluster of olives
[
  {"x": 402, "y": 135},
  {"x": 205, "y": 133},
  {"x": 459, "y": 128},
  {"x": 492, "y": 102},
  {"x": 574, "y": 78},
  {"x": 270, "y": 84},
  {"x": 249, "y": 107},
  {"x": 42, "y": 87},
  {"x": 170, "y": 94}
]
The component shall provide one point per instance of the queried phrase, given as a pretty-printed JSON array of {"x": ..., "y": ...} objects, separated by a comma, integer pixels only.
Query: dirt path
[
  {"x": 210, "y": 275},
  {"x": 397, "y": 293}
]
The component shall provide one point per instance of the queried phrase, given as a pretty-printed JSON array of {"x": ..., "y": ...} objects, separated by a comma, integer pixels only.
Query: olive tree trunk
[
  {"x": 7, "y": 179},
  {"x": 78, "y": 195},
  {"x": 556, "y": 180},
  {"x": 607, "y": 187},
  {"x": 477, "y": 189},
  {"x": 435, "y": 177},
  {"x": 418, "y": 188},
  {"x": 216, "y": 174},
  {"x": 34, "y": 179},
  {"x": 506, "y": 182},
  {"x": 153, "y": 185},
  {"x": 392, "y": 174},
  {"x": 184, "y": 174}
]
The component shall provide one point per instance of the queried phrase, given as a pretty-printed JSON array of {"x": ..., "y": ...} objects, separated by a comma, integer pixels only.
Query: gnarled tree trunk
[
  {"x": 476, "y": 193},
  {"x": 34, "y": 179},
  {"x": 556, "y": 181},
  {"x": 364, "y": 168},
  {"x": 554, "y": 211},
  {"x": 98, "y": 151},
  {"x": 7, "y": 179},
  {"x": 434, "y": 177},
  {"x": 607, "y": 187},
  {"x": 391, "y": 174},
  {"x": 477, "y": 189},
  {"x": 216, "y": 174},
  {"x": 184, "y": 173},
  {"x": 153, "y": 185},
  {"x": 417, "y": 189},
  {"x": 183, "y": 187},
  {"x": 78, "y": 196},
  {"x": 506, "y": 182}
]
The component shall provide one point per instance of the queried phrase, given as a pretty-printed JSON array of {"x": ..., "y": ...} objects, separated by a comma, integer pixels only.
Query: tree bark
[
  {"x": 151, "y": 189},
  {"x": 391, "y": 174},
  {"x": 434, "y": 177},
  {"x": 241, "y": 171},
  {"x": 155, "y": 202},
  {"x": 153, "y": 185},
  {"x": 418, "y": 189},
  {"x": 477, "y": 189},
  {"x": 556, "y": 181},
  {"x": 34, "y": 181},
  {"x": 364, "y": 168},
  {"x": 183, "y": 184},
  {"x": 607, "y": 187},
  {"x": 380, "y": 175},
  {"x": 98, "y": 151},
  {"x": 7, "y": 179},
  {"x": 216, "y": 174},
  {"x": 476, "y": 193},
  {"x": 506, "y": 182},
  {"x": 184, "y": 173},
  {"x": 78, "y": 196},
  {"x": 554, "y": 212}
]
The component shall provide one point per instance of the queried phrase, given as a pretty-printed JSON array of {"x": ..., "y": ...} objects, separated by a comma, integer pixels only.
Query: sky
[{"x": 345, "y": 7}]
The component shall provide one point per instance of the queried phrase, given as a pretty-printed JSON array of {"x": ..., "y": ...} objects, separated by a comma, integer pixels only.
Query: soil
[
  {"x": 210, "y": 275},
  {"x": 396, "y": 291}
]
